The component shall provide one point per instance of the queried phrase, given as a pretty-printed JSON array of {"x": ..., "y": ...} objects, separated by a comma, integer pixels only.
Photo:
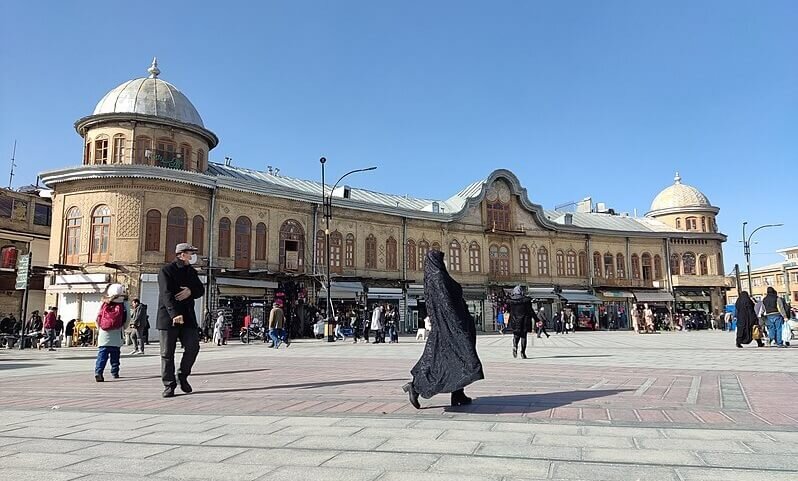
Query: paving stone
[
  {"x": 129, "y": 450},
  {"x": 214, "y": 471},
  {"x": 41, "y": 460},
  {"x": 184, "y": 418},
  {"x": 283, "y": 457},
  {"x": 351, "y": 443},
  {"x": 293, "y": 473},
  {"x": 607, "y": 472},
  {"x": 582, "y": 441},
  {"x": 389, "y": 461},
  {"x": 415, "y": 476},
  {"x": 376, "y": 423},
  {"x": 178, "y": 428},
  {"x": 534, "y": 428},
  {"x": 770, "y": 447},
  {"x": 411, "y": 433},
  {"x": 308, "y": 421},
  {"x": 115, "y": 425},
  {"x": 176, "y": 438},
  {"x": 10, "y": 442},
  {"x": 693, "y": 445},
  {"x": 426, "y": 446},
  {"x": 50, "y": 446},
  {"x": 512, "y": 450},
  {"x": 642, "y": 456},
  {"x": 789, "y": 437},
  {"x": 247, "y": 420},
  {"x": 715, "y": 434},
  {"x": 715, "y": 474},
  {"x": 318, "y": 430},
  {"x": 207, "y": 454},
  {"x": 762, "y": 461},
  {"x": 37, "y": 432},
  {"x": 487, "y": 436},
  {"x": 13, "y": 474},
  {"x": 447, "y": 424},
  {"x": 620, "y": 431},
  {"x": 252, "y": 441},
  {"x": 46, "y": 423},
  {"x": 520, "y": 468},
  {"x": 103, "y": 435},
  {"x": 110, "y": 464},
  {"x": 245, "y": 429}
]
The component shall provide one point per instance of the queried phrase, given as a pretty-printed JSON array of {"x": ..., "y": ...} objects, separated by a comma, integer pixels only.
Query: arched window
[
  {"x": 423, "y": 249},
  {"x": 691, "y": 223},
  {"x": 410, "y": 255},
  {"x": 719, "y": 268},
  {"x": 436, "y": 246},
  {"x": 675, "y": 264},
  {"x": 201, "y": 163},
  {"x": 198, "y": 233},
  {"x": 597, "y": 264},
  {"x": 635, "y": 267},
  {"x": 609, "y": 265},
  {"x": 498, "y": 215},
  {"x": 371, "y": 252},
  {"x": 390, "y": 254},
  {"x": 703, "y": 265},
  {"x": 455, "y": 264},
  {"x": 647, "y": 271},
  {"x": 560, "y": 259},
  {"x": 119, "y": 149},
  {"x": 543, "y": 261},
  {"x": 185, "y": 157},
  {"x": 87, "y": 152},
  {"x": 499, "y": 260},
  {"x": 72, "y": 247},
  {"x": 678, "y": 222},
  {"x": 243, "y": 242},
  {"x": 321, "y": 250},
  {"x": 152, "y": 234},
  {"x": 570, "y": 263},
  {"x": 176, "y": 230},
  {"x": 224, "y": 237},
  {"x": 336, "y": 251},
  {"x": 101, "y": 149},
  {"x": 100, "y": 234},
  {"x": 165, "y": 154},
  {"x": 523, "y": 259},
  {"x": 292, "y": 246},
  {"x": 582, "y": 264},
  {"x": 657, "y": 267},
  {"x": 260, "y": 242},
  {"x": 620, "y": 265},
  {"x": 474, "y": 257},
  {"x": 8, "y": 257},
  {"x": 143, "y": 150},
  {"x": 703, "y": 224},
  {"x": 350, "y": 251},
  {"x": 688, "y": 260}
]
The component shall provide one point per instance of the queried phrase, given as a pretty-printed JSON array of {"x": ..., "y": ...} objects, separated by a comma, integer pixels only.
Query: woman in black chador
[
  {"x": 450, "y": 360},
  {"x": 746, "y": 320}
]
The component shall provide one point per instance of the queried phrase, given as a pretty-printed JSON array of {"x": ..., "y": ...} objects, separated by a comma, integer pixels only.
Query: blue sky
[{"x": 579, "y": 98}]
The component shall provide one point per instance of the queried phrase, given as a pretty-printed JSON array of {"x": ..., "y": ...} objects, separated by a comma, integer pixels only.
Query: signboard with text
[{"x": 23, "y": 271}]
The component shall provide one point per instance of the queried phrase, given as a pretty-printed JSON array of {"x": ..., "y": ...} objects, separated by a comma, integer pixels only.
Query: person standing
[
  {"x": 747, "y": 321},
  {"x": 138, "y": 321},
  {"x": 775, "y": 312},
  {"x": 50, "y": 321},
  {"x": 450, "y": 361},
  {"x": 377, "y": 324},
  {"x": 217, "y": 329},
  {"x": 179, "y": 285},
  {"x": 69, "y": 332},
  {"x": 540, "y": 323},
  {"x": 366, "y": 324},
  {"x": 110, "y": 329},
  {"x": 521, "y": 317},
  {"x": 648, "y": 315},
  {"x": 276, "y": 320},
  {"x": 500, "y": 320}
]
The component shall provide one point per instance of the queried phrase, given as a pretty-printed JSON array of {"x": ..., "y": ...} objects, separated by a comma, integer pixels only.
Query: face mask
[{"x": 193, "y": 259}]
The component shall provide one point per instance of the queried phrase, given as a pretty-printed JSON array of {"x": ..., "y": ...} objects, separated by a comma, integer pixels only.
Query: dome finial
[
  {"x": 678, "y": 178},
  {"x": 154, "y": 70}
]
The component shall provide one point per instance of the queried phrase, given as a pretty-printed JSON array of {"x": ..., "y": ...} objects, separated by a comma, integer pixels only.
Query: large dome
[
  {"x": 150, "y": 96},
  {"x": 679, "y": 196}
]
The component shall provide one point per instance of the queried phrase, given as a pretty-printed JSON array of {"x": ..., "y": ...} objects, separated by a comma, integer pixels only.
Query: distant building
[{"x": 782, "y": 276}]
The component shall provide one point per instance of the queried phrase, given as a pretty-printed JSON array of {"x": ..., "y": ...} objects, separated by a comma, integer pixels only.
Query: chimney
[
  {"x": 569, "y": 219},
  {"x": 347, "y": 192},
  {"x": 228, "y": 161},
  {"x": 436, "y": 207}
]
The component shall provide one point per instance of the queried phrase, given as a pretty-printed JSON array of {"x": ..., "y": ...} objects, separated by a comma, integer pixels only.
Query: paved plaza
[{"x": 589, "y": 406}]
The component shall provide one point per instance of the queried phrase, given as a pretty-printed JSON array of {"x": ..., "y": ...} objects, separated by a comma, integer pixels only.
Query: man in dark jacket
[
  {"x": 776, "y": 311},
  {"x": 179, "y": 285},
  {"x": 138, "y": 321},
  {"x": 521, "y": 317}
]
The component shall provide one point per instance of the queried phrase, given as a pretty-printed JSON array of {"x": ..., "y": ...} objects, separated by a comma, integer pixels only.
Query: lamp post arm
[
  {"x": 762, "y": 227},
  {"x": 347, "y": 174}
]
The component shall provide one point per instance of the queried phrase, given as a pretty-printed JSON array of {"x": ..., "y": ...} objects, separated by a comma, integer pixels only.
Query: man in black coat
[
  {"x": 138, "y": 321},
  {"x": 522, "y": 315},
  {"x": 179, "y": 285}
]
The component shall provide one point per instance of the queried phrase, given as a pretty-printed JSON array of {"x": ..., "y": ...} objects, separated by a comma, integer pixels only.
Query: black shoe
[
  {"x": 739, "y": 345},
  {"x": 460, "y": 399},
  {"x": 168, "y": 391},
  {"x": 412, "y": 394},
  {"x": 184, "y": 385},
  {"x": 115, "y": 376},
  {"x": 515, "y": 352},
  {"x": 523, "y": 355},
  {"x": 99, "y": 378}
]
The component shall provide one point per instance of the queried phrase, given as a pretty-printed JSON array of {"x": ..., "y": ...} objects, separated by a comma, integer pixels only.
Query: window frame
[
  {"x": 620, "y": 265},
  {"x": 455, "y": 256},
  {"x": 261, "y": 242},
  {"x": 524, "y": 260},
  {"x": 371, "y": 252},
  {"x": 176, "y": 232},
  {"x": 73, "y": 223},
  {"x": 100, "y": 247},
  {"x": 118, "y": 154},
  {"x": 571, "y": 268},
  {"x": 198, "y": 233},
  {"x": 474, "y": 257},
  {"x": 543, "y": 261},
  {"x": 225, "y": 231},
  {"x": 152, "y": 231},
  {"x": 391, "y": 254}
]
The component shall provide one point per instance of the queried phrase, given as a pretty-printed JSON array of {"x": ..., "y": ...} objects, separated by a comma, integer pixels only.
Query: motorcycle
[{"x": 252, "y": 333}]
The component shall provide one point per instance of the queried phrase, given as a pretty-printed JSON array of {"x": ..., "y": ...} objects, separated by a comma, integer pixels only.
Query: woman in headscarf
[
  {"x": 747, "y": 320},
  {"x": 449, "y": 362},
  {"x": 521, "y": 319}
]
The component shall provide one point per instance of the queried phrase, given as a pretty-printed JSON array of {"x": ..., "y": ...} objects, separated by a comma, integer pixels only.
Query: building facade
[
  {"x": 145, "y": 184},
  {"x": 782, "y": 276}
]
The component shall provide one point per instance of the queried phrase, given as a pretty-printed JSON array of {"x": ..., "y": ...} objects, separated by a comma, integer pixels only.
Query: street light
[
  {"x": 327, "y": 204},
  {"x": 747, "y": 249}
]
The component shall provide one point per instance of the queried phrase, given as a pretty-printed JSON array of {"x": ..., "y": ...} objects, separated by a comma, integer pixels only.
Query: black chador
[
  {"x": 450, "y": 360},
  {"x": 522, "y": 315}
]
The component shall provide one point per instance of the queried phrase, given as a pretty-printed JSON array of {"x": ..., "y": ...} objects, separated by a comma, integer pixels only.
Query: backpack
[{"x": 111, "y": 316}]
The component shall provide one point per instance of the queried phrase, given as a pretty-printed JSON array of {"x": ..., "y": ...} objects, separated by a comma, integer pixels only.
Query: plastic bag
[{"x": 786, "y": 332}]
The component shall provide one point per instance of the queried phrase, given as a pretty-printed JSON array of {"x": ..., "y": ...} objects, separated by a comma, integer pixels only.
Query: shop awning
[
  {"x": 76, "y": 288},
  {"x": 683, "y": 298},
  {"x": 343, "y": 290},
  {"x": 579, "y": 297},
  {"x": 385, "y": 293},
  {"x": 240, "y": 291},
  {"x": 415, "y": 290},
  {"x": 617, "y": 294},
  {"x": 543, "y": 293},
  {"x": 474, "y": 293},
  {"x": 233, "y": 281},
  {"x": 653, "y": 296}
]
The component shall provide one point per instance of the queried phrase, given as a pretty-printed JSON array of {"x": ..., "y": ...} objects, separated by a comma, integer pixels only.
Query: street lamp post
[
  {"x": 747, "y": 249},
  {"x": 326, "y": 201}
]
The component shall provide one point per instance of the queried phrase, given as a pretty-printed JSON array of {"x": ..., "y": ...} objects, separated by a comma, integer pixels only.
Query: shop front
[
  {"x": 79, "y": 295},
  {"x": 614, "y": 311},
  {"x": 661, "y": 302},
  {"x": 148, "y": 294},
  {"x": 584, "y": 305},
  {"x": 416, "y": 309}
]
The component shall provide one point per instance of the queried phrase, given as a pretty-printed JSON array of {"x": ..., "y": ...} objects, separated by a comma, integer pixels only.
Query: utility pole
[{"x": 737, "y": 276}]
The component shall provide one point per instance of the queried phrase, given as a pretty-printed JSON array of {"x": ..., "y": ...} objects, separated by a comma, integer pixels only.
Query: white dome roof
[
  {"x": 150, "y": 96},
  {"x": 678, "y": 196}
]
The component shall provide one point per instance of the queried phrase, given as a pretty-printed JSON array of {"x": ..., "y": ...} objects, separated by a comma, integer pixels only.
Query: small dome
[
  {"x": 150, "y": 96},
  {"x": 678, "y": 196}
]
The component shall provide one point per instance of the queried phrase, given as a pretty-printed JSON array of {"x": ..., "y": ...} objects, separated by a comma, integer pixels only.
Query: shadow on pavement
[
  {"x": 568, "y": 357},
  {"x": 196, "y": 374},
  {"x": 9, "y": 366},
  {"x": 308, "y": 385},
  {"x": 530, "y": 403}
]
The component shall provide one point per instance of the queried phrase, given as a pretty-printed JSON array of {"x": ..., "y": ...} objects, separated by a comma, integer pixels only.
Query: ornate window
[
  {"x": 582, "y": 263},
  {"x": 87, "y": 152},
  {"x": 498, "y": 215},
  {"x": 688, "y": 259},
  {"x": 198, "y": 233},
  {"x": 165, "y": 154},
  {"x": 703, "y": 224},
  {"x": 336, "y": 251},
  {"x": 678, "y": 222},
  {"x": 423, "y": 249},
  {"x": 597, "y": 264},
  {"x": 410, "y": 255},
  {"x": 143, "y": 150},
  {"x": 371, "y": 252},
  {"x": 635, "y": 267},
  {"x": 570, "y": 263},
  {"x": 543, "y": 261},
  {"x": 152, "y": 234},
  {"x": 646, "y": 261},
  {"x": 499, "y": 260},
  {"x": 224, "y": 237},
  {"x": 703, "y": 265},
  {"x": 292, "y": 246},
  {"x": 560, "y": 256},
  {"x": 243, "y": 242},
  {"x": 474, "y": 257},
  {"x": 72, "y": 248},
  {"x": 101, "y": 150},
  {"x": 675, "y": 264},
  {"x": 523, "y": 259},
  {"x": 620, "y": 263},
  {"x": 657, "y": 267},
  {"x": 185, "y": 157},
  {"x": 176, "y": 230},
  {"x": 391, "y": 254},
  {"x": 201, "y": 164},
  {"x": 100, "y": 234},
  {"x": 609, "y": 265},
  {"x": 119, "y": 148},
  {"x": 261, "y": 245},
  {"x": 691, "y": 223},
  {"x": 455, "y": 264},
  {"x": 321, "y": 250},
  {"x": 349, "y": 257}
]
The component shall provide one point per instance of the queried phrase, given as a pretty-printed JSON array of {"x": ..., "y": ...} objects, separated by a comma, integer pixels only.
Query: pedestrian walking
[
  {"x": 522, "y": 315},
  {"x": 179, "y": 285},
  {"x": 747, "y": 321},
  {"x": 648, "y": 315},
  {"x": 391, "y": 320},
  {"x": 69, "y": 332},
  {"x": 540, "y": 323},
  {"x": 138, "y": 321},
  {"x": 500, "y": 320},
  {"x": 450, "y": 361},
  {"x": 366, "y": 324},
  {"x": 50, "y": 324},
  {"x": 776, "y": 311},
  {"x": 110, "y": 326},
  {"x": 377, "y": 324},
  {"x": 218, "y": 329},
  {"x": 276, "y": 321}
]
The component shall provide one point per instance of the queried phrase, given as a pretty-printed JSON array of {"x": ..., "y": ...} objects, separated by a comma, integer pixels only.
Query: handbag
[{"x": 757, "y": 334}]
